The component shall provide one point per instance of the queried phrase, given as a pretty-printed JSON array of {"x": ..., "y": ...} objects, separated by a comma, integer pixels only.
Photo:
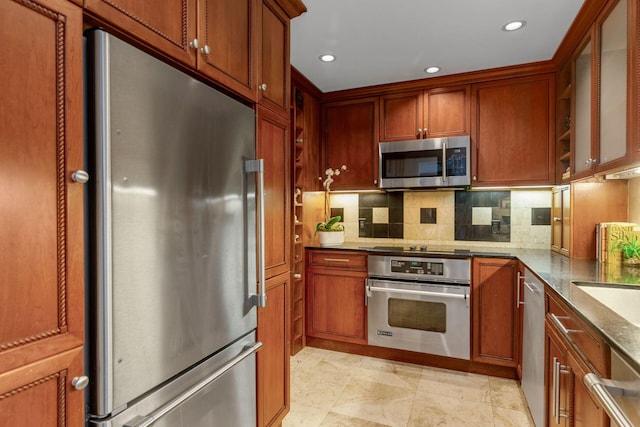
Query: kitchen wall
[{"x": 434, "y": 218}]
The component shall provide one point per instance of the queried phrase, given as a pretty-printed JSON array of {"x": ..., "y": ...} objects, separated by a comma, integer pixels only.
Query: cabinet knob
[
  {"x": 263, "y": 86},
  {"x": 557, "y": 219},
  {"x": 80, "y": 383},
  {"x": 375, "y": 181},
  {"x": 80, "y": 176},
  {"x": 426, "y": 131},
  {"x": 205, "y": 49},
  {"x": 474, "y": 178},
  {"x": 419, "y": 132},
  {"x": 195, "y": 44},
  {"x": 299, "y": 140},
  {"x": 297, "y": 276}
]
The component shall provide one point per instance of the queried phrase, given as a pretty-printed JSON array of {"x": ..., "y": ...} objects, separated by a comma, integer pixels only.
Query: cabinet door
[
  {"x": 41, "y": 220},
  {"x": 581, "y": 106},
  {"x": 512, "y": 131},
  {"x": 351, "y": 139},
  {"x": 565, "y": 248},
  {"x": 559, "y": 380},
  {"x": 335, "y": 305},
  {"x": 613, "y": 83},
  {"x": 227, "y": 34},
  {"x": 273, "y": 147},
  {"x": 401, "y": 116},
  {"x": 167, "y": 25},
  {"x": 274, "y": 78},
  {"x": 556, "y": 215},
  {"x": 273, "y": 357},
  {"x": 587, "y": 412},
  {"x": 447, "y": 112},
  {"x": 496, "y": 316}
]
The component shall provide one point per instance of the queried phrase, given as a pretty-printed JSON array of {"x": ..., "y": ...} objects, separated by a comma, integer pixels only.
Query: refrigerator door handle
[
  {"x": 147, "y": 420},
  {"x": 257, "y": 166}
]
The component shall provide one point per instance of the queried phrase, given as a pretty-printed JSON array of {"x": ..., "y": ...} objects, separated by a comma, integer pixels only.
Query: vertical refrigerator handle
[{"x": 257, "y": 166}]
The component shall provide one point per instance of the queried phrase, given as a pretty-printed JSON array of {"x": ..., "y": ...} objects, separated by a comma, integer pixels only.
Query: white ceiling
[{"x": 384, "y": 41}]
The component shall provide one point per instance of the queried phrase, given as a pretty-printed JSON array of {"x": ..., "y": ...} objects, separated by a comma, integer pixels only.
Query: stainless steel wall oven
[{"x": 420, "y": 304}]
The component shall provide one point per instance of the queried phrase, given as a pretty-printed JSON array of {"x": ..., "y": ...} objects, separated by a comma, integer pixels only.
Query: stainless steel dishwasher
[{"x": 533, "y": 345}]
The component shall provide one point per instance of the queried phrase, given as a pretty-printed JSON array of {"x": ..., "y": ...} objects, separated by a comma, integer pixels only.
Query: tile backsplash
[{"x": 516, "y": 218}]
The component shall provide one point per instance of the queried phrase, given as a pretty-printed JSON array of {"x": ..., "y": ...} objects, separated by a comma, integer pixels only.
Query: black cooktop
[{"x": 428, "y": 250}]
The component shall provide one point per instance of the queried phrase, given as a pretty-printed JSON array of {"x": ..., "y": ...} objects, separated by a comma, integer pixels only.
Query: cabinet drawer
[
  {"x": 580, "y": 336},
  {"x": 339, "y": 259}
]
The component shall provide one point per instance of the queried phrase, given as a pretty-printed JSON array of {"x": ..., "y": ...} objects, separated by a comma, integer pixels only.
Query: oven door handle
[{"x": 413, "y": 292}]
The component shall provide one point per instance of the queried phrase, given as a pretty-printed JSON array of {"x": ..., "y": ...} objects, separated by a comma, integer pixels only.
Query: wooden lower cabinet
[
  {"x": 587, "y": 412},
  {"x": 273, "y": 357},
  {"x": 41, "y": 394},
  {"x": 558, "y": 382},
  {"x": 569, "y": 357},
  {"x": 496, "y": 314},
  {"x": 335, "y": 307},
  {"x": 42, "y": 216}
]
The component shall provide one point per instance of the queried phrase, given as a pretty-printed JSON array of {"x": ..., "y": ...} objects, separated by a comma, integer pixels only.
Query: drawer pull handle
[
  {"x": 336, "y": 260},
  {"x": 558, "y": 323}
]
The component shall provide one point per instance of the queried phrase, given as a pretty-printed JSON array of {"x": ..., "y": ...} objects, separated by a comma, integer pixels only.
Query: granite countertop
[{"x": 559, "y": 273}]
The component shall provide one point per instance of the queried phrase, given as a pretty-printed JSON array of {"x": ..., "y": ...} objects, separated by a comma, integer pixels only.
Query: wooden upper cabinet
[
  {"x": 217, "y": 37},
  {"x": 512, "y": 131},
  {"x": 227, "y": 34},
  {"x": 273, "y": 147},
  {"x": 424, "y": 114},
  {"x": 350, "y": 138},
  {"x": 42, "y": 216},
  {"x": 167, "y": 25},
  {"x": 274, "y": 77}
]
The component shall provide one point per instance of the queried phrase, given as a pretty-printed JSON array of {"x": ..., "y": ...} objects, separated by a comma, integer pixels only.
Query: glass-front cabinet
[
  {"x": 602, "y": 80},
  {"x": 582, "y": 135},
  {"x": 613, "y": 85}
]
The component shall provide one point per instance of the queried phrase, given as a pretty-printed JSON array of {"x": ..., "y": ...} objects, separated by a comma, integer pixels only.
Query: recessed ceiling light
[
  {"x": 327, "y": 57},
  {"x": 514, "y": 25},
  {"x": 431, "y": 70}
]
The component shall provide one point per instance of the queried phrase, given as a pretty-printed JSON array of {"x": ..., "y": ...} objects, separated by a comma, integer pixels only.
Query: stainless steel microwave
[{"x": 425, "y": 163}]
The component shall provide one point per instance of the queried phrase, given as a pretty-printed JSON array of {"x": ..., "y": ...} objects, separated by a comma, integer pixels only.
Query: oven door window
[{"x": 420, "y": 315}]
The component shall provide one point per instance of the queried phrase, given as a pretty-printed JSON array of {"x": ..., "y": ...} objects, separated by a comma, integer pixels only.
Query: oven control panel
[
  {"x": 417, "y": 267},
  {"x": 455, "y": 270}
]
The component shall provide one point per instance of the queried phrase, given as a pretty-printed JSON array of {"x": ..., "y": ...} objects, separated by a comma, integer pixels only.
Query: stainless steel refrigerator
[{"x": 174, "y": 216}]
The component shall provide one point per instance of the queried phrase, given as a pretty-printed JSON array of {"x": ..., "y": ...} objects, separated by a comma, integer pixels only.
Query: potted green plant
[
  {"x": 630, "y": 247},
  {"x": 330, "y": 231}
]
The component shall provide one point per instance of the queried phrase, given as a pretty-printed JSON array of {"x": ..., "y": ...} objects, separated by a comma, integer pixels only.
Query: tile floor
[{"x": 337, "y": 389}]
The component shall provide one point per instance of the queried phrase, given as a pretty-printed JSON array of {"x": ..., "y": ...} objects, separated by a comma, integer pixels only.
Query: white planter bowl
[{"x": 331, "y": 238}]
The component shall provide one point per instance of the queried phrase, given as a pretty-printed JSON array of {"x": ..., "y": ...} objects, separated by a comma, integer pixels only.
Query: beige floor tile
[
  {"x": 507, "y": 394},
  {"x": 503, "y": 417},
  {"x": 338, "y": 420},
  {"x": 377, "y": 402},
  {"x": 330, "y": 388},
  {"x": 304, "y": 416},
  {"x": 390, "y": 373},
  {"x": 440, "y": 410}
]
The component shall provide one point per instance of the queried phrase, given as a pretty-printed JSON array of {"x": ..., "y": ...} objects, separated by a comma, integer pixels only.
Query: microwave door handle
[{"x": 444, "y": 162}]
